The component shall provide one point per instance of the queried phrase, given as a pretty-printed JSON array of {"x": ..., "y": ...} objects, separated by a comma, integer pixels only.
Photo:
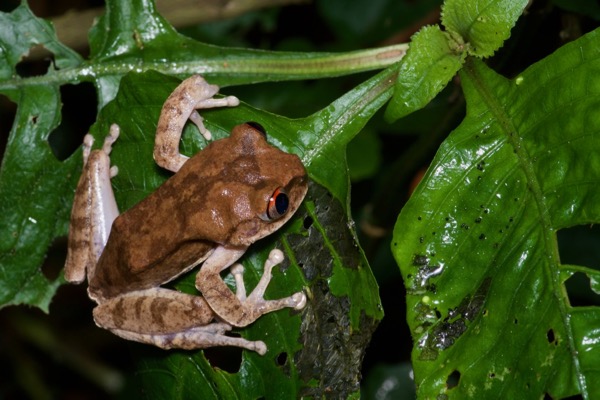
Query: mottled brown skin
[{"x": 216, "y": 198}]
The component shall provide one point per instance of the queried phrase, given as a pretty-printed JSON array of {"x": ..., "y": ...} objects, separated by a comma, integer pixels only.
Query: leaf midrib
[{"x": 514, "y": 139}]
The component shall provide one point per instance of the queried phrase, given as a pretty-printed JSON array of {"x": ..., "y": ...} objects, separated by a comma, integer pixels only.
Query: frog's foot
[
  {"x": 238, "y": 309},
  {"x": 196, "y": 118},
  {"x": 255, "y": 305},
  {"x": 192, "y": 94},
  {"x": 168, "y": 319},
  {"x": 256, "y": 299}
]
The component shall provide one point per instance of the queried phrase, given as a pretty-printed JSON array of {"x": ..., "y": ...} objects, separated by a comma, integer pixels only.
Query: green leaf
[
  {"x": 428, "y": 66},
  {"x": 32, "y": 182},
  {"x": 20, "y": 31},
  {"x": 483, "y": 25},
  {"x": 476, "y": 243}
]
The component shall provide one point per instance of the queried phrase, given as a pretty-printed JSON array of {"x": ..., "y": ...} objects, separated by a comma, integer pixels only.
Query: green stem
[{"x": 256, "y": 66}]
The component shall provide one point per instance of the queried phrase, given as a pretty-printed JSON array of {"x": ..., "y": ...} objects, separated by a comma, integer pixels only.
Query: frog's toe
[{"x": 299, "y": 299}]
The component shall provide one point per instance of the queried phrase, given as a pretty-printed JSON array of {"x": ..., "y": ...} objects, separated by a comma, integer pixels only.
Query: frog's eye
[
  {"x": 258, "y": 127},
  {"x": 278, "y": 204}
]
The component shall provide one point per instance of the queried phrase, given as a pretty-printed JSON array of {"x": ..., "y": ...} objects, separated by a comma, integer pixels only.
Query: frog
[{"x": 218, "y": 202}]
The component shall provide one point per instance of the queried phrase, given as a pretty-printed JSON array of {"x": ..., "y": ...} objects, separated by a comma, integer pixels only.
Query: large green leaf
[{"x": 476, "y": 243}]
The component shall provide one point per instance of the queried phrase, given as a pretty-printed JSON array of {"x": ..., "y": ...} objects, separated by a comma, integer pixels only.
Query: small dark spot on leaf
[
  {"x": 477, "y": 220},
  {"x": 34, "y": 119},
  {"x": 419, "y": 218},
  {"x": 482, "y": 237},
  {"x": 420, "y": 259},
  {"x": 492, "y": 375},
  {"x": 515, "y": 321},
  {"x": 433, "y": 233}
]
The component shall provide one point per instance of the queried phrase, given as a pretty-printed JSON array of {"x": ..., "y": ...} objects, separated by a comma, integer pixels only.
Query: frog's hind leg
[
  {"x": 94, "y": 209},
  {"x": 168, "y": 319}
]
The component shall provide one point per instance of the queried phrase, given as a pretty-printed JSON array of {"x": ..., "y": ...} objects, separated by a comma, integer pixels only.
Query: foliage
[{"x": 489, "y": 303}]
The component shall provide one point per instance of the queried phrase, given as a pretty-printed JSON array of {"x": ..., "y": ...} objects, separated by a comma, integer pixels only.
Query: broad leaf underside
[{"x": 477, "y": 241}]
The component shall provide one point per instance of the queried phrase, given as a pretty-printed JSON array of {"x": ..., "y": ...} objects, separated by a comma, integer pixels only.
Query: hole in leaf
[
  {"x": 78, "y": 114},
  {"x": 550, "y": 335},
  {"x": 453, "y": 379},
  {"x": 226, "y": 358},
  {"x": 8, "y": 6},
  {"x": 55, "y": 259},
  {"x": 574, "y": 397},
  {"x": 578, "y": 246},
  {"x": 308, "y": 221},
  {"x": 281, "y": 359},
  {"x": 8, "y": 110},
  {"x": 579, "y": 291},
  {"x": 35, "y": 63}
]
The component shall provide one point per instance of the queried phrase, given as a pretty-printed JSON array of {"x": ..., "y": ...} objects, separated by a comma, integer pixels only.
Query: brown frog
[{"x": 234, "y": 192}]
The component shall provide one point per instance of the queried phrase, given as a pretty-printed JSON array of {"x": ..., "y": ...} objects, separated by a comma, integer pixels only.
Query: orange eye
[{"x": 278, "y": 204}]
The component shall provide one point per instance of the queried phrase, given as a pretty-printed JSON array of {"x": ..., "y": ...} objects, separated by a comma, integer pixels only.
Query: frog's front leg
[
  {"x": 94, "y": 209},
  {"x": 237, "y": 309},
  {"x": 168, "y": 319},
  {"x": 192, "y": 94}
]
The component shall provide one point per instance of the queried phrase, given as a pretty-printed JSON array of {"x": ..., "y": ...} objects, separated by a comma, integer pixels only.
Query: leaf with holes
[{"x": 477, "y": 242}]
